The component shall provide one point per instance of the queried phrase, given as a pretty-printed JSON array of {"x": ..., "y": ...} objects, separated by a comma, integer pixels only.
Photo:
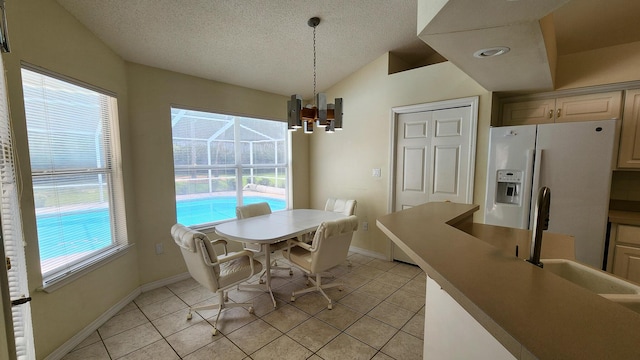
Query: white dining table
[{"x": 272, "y": 228}]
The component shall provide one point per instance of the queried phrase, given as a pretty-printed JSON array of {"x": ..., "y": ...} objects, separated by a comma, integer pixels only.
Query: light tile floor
[{"x": 379, "y": 315}]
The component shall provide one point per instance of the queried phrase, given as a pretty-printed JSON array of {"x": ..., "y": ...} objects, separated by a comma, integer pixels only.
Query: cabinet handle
[
  {"x": 550, "y": 114},
  {"x": 558, "y": 114}
]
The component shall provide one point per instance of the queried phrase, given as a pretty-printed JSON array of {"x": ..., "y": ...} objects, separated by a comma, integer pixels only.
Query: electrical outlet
[
  {"x": 159, "y": 249},
  {"x": 365, "y": 226}
]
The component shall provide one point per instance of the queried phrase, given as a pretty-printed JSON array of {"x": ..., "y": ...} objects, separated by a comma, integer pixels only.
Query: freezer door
[
  {"x": 509, "y": 175},
  {"x": 576, "y": 164}
]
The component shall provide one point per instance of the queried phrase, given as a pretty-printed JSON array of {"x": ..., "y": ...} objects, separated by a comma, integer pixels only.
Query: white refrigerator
[{"x": 574, "y": 160}]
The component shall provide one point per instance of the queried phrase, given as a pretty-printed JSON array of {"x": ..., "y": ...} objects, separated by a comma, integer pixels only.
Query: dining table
[{"x": 269, "y": 229}]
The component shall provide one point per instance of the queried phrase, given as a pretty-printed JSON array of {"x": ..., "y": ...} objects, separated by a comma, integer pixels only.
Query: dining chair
[
  {"x": 215, "y": 272},
  {"x": 344, "y": 206},
  {"x": 257, "y": 209},
  {"x": 329, "y": 248}
]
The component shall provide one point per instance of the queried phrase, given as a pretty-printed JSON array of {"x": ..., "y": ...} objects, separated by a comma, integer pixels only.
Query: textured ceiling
[
  {"x": 267, "y": 45},
  {"x": 260, "y": 44}
]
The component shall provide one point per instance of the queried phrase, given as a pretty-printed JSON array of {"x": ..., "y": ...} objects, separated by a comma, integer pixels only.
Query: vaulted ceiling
[{"x": 267, "y": 45}]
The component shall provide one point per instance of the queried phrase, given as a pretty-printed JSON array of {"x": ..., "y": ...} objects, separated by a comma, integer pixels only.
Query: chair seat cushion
[
  {"x": 280, "y": 245},
  {"x": 237, "y": 270},
  {"x": 301, "y": 257}
]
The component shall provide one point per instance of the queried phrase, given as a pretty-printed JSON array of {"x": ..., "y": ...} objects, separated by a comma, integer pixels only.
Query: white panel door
[
  {"x": 434, "y": 159},
  {"x": 450, "y": 148},
  {"x": 412, "y": 152}
]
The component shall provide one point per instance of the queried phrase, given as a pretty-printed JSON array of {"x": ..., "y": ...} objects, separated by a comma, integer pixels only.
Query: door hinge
[{"x": 8, "y": 263}]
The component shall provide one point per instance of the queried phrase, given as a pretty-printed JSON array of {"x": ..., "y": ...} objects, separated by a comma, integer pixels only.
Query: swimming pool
[{"x": 89, "y": 230}]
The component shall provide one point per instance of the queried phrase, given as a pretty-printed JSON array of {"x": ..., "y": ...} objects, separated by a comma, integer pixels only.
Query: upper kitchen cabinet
[
  {"x": 629, "y": 155},
  {"x": 528, "y": 112},
  {"x": 598, "y": 106}
]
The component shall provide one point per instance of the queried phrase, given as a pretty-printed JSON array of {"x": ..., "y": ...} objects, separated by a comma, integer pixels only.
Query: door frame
[{"x": 431, "y": 106}]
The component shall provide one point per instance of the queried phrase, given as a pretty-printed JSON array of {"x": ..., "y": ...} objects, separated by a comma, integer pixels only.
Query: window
[
  {"x": 77, "y": 184},
  {"x": 222, "y": 161}
]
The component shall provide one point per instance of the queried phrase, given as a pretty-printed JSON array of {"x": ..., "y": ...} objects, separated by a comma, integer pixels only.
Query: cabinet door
[
  {"x": 528, "y": 112},
  {"x": 629, "y": 155},
  {"x": 628, "y": 234},
  {"x": 627, "y": 262},
  {"x": 601, "y": 106}
]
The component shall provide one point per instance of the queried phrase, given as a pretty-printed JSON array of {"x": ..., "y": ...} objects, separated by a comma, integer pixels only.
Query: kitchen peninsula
[{"x": 530, "y": 312}]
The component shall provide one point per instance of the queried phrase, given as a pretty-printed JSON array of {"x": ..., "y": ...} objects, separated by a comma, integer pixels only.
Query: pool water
[
  {"x": 202, "y": 211},
  {"x": 89, "y": 230}
]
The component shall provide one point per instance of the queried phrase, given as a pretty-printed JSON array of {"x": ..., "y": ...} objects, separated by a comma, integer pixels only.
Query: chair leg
[
  {"x": 317, "y": 286},
  {"x": 222, "y": 304}
]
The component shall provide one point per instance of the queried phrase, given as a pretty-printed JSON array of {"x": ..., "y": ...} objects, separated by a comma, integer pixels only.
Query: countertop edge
[
  {"x": 464, "y": 265},
  {"x": 508, "y": 341}
]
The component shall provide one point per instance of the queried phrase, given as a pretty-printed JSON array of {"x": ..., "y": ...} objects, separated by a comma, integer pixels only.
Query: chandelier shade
[{"x": 320, "y": 114}]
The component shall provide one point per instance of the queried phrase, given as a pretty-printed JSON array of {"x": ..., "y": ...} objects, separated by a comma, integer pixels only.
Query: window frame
[{"x": 111, "y": 173}]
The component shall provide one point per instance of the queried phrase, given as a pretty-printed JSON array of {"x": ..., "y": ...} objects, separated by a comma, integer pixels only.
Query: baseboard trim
[
  {"x": 164, "y": 282},
  {"x": 369, "y": 253},
  {"x": 78, "y": 338}
]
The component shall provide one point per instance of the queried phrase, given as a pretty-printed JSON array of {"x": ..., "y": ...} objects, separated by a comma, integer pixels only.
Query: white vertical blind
[
  {"x": 12, "y": 232},
  {"x": 75, "y": 172}
]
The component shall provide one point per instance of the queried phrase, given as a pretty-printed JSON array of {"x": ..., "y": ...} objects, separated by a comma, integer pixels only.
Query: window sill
[{"x": 56, "y": 281}]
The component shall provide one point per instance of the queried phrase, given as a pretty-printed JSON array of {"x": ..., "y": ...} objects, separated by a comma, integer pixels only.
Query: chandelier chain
[{"x": 314, "y": 65}]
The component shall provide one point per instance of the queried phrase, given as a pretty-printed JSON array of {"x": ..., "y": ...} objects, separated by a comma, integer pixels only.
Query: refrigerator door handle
[
  {"x": 537, "y": 165},
  {"x": 526, "y": 188}
]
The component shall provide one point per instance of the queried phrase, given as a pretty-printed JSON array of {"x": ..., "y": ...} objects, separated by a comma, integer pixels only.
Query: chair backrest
[
  {"x": 251, "y": 210},
  {"x": 197, "y": 250},
  {"x": 330, "y": 246},
  {"x": 343, "y": 206}
]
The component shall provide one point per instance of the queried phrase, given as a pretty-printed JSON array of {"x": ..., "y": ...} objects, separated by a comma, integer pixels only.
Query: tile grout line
[{"x": 336, "y": 277}]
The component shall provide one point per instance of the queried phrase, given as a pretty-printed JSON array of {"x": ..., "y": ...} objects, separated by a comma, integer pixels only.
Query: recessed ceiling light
[{"x": 491, "y": 52}]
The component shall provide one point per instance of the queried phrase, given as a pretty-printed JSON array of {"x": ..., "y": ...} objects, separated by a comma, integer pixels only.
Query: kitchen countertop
[
  {"x": 528, "y": 310},
  {"x": 556, "y": 246}
]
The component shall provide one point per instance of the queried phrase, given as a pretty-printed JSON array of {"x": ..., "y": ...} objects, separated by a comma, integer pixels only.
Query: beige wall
[
  {"x": 609, "y": 65},
  {"x": 341, "y": 163},
  {"x": 152, "y": 92},
  {"x": 43, "y": 34}
]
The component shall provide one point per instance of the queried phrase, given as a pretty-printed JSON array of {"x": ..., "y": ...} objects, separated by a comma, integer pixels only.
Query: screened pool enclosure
[{"x": 224, "y": 161}]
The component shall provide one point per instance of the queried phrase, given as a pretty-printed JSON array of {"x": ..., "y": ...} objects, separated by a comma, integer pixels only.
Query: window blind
[
  {"x": 12, "y": 232},
  {"x": 75, "y": 172}
]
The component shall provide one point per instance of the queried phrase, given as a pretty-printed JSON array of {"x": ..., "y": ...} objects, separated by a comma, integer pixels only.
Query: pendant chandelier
[{"x": 327, "y": 116}]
